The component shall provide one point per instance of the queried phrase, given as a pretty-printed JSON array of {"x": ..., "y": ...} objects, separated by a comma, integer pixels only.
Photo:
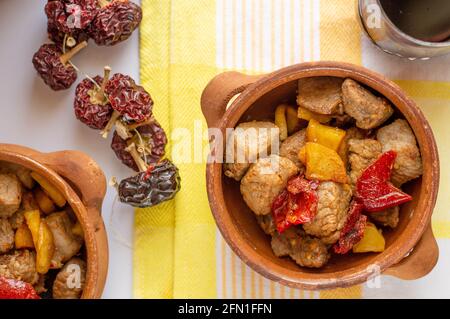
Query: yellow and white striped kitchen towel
[{"x": 178, "y": 251}]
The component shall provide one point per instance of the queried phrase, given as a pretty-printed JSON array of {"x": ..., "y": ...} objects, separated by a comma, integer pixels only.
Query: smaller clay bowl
[
  {"x": 83, "y": 184},
  {"x": 411, "y": 250}
]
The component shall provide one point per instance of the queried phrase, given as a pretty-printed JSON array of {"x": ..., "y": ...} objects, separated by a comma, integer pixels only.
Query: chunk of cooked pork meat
[
  {"x": 388, "y": 217},
  {"x": 290, "y": 147},
  {"x": 266, "y": 223},
  {"x": 22, "y": 173},
  {"x": 249, "y": 141},
  {"x": 320, "y": 94},
  {"x": 332, "y": 211},
  {"x": 67, "y": 244},
  {"x": 368, "y": 110},
  {"x": 399, "y": 137},
  {"x": 6, "y": 236},
  {"x": 19, "y": 265},
  {"x": 264, "y": 180},
  {"x": 361, "y": 154},
  {"x": 28, "y": 203},
  {"x": 69, "y": 282},
  {"x": 10, "y": 194},
  {"x": 304, "y": 250}
]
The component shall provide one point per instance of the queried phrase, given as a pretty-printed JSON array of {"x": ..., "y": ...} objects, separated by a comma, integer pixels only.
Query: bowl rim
[
  {"x": 399, "y": 248},
  {"x": 78, "y": 207}
]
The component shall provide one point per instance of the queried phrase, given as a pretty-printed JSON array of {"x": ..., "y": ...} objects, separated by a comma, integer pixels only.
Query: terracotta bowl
[
  {"x": 411, "y": 250},
  {"x": 83, "y": 184}
]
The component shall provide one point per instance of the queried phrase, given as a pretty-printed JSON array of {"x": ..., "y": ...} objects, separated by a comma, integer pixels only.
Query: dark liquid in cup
[{"x": 427, "y": 20}]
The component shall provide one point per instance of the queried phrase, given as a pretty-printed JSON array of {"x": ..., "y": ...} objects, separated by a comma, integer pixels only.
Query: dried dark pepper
[
  {"x": 71, "y": 39},
  {"x": 53, "y": 67},
  {"x": 353, "y": 230},
  {"x": 115, "y": 22},
  {"x": 69, "y": 16},
  {"x": 132, "y": 101},
  {"x": 151, "y": 139},
  {"x": 373, "y": 188},
  {"x": 91, "y": 104},
  {"x": 150, "y": 189}
]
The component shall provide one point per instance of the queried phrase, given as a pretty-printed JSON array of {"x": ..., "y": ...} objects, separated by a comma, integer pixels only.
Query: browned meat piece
[
  {"x": 320, "y": 94},
  {"x": 332, "y": 210},
  {"x": 250, "y": 140},
  {"x": 388, "y": 217},
  {"x": 264, "y": 180},
  {"x": 10, "y": 194},
  {"x": 69, "y": 282},
  {"x": 362, "y": 153},
  {"x": 266, "y": 223},
  {"x": 368, "y": 110},
  {"x": 6, "y": 236},
  {"x": 67, "y": 244},
  {"x": 399, "y": 137},
  {"x": 291, "y": 146},
  {"x": 28, "y": 203},
  {"x": 22, "y": 173},
  {"x": 19, "y": 265},
  {"x": 305, "y": 250}
]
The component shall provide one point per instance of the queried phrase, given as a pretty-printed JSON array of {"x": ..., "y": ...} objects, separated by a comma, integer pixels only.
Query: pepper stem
[
  {"x": 104, "y": 133},
  {"x": 100, "y": 95},
  {"x": 70, "y": 54},
  {"x": 136, "y": 157},
  {"x": 133, "y": 126}
]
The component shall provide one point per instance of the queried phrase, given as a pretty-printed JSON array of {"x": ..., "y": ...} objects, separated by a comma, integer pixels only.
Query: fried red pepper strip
[
  {"x": 295, "y": 205},
  {"x": 373, "y": 188},
  {"x": 16, "y": 289},
  {"x": 353, "y": 230}
]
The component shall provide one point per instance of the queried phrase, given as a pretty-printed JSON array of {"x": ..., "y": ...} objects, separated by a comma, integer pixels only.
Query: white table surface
[{"x": 35, "y": 116}]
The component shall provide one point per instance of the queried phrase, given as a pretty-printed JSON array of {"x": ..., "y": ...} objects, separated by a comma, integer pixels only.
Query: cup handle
[
  {"x": 220, "y": 90},
  {"x": 420, "y": 261}
]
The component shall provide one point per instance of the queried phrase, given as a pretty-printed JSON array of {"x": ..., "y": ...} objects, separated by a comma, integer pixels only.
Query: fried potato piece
[
  {"x": 324, "y": 164},
  {"x": 293, "y": 122},
  {"x": 45, "y": 203},
  {"x": 51, "y": 190},
  {"x": 321, "y": 94},
  {"x": 328, "y": 136},
  {"x": 45, "y": 248},
  {"x": 307, "y": 115},
  {"x": 280, "y": 121},
  {"x": 42, "y": 239},
  {"x": 368, "y": 110},
  {"x": 23, "y": 238},
  {"x": 372, "y": 241}
]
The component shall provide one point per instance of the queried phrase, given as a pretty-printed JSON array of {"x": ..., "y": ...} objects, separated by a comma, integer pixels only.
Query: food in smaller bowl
[
  {"x": 42, "y": 251},
  {"x": 336, "y": 180}
]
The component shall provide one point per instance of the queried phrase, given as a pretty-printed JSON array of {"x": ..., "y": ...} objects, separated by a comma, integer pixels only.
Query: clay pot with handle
[{"x": 411, "y": 250}]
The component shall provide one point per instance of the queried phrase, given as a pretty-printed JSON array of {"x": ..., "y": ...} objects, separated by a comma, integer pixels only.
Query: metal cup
[{"x": 391, "y": 39}]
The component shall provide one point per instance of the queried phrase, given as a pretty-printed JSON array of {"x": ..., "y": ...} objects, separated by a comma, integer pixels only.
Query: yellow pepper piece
[
  {"x": 293, "y": 122},
  {"x": 280, "y": 121},
  {"x": 308, "y": 115},
  {"x": 372, "y": 241},
  {"x": 302, "y": 155},
  {"x": 324, "y": 164},
  {"x": 328, "y": 136}
]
